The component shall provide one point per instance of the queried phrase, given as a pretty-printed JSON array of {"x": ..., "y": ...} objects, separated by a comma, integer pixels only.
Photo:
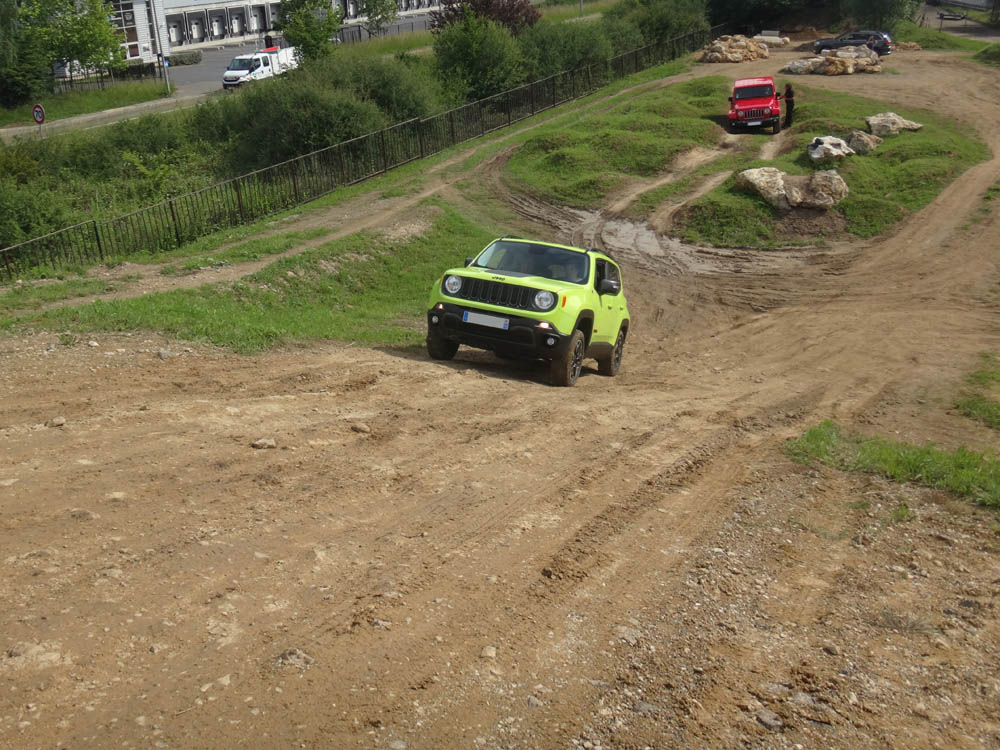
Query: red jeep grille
[{"x": 755, "y": 114}]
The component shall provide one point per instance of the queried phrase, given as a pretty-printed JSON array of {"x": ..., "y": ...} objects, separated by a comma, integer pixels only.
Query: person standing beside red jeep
[{"x": 789, "y": 97}]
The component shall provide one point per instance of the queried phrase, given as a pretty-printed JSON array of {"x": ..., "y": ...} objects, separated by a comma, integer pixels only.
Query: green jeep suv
[{"x": 525, "y": 299}]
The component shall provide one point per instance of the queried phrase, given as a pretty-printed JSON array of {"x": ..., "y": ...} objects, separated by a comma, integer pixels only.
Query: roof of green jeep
[{"x": 590, "y": 250}]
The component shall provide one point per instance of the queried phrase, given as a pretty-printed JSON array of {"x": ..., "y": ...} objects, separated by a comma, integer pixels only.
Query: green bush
[
  {"x": 402, "y": 87},
  {"x": 185, "y": 57},
  {"x": 481, "y": 54},
  {"x": 662, "y": 19},
  {"x": 548, "y": 48},
  {"x": 990, "y": 55},
  {"x": 289, "y": 118}
]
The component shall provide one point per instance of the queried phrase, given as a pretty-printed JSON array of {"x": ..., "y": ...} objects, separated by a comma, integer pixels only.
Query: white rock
[
  {"x": 829, "y": 147},
  {"x": 863, "y": 143},
  {"x": 889, "y": 123},
  {"x": 263, "y": 443}
]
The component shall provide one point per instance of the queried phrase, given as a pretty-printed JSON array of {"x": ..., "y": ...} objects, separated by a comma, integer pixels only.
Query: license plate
[
  {"x": 755, "y": 122},
  {"x": 485, "y": 320}
]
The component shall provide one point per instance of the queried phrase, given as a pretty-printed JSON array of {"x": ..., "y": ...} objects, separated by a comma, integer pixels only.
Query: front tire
[
  {"x": 776, "y": 128},
  {"x": 567, "y": 366},
  {"x": 613, "y": 363},
  {"x": 439, "y": 347}
]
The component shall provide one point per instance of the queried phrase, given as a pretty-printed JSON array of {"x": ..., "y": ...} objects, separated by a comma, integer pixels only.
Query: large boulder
[
  {"x": 823, "y": 190},
  {"x": 802, "y": 67},
  {"x": 736, "y": 48},
  {"x": 772, "y": 39},
  {"x": 828, "y": 147},
  {"x": 767, "y": 182},
  {"x": 820, "y": 190},
  {"x": 837, "y": 66},
  {"x": 852, "y": 53},
  {"x": 889, "y": 123},
  {"x": 862, "y": 142}
]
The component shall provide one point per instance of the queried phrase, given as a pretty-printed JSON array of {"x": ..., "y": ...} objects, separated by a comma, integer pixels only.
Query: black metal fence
[
  {"x": 98, "y": 80},
  {"x": 268, "y": 191}
]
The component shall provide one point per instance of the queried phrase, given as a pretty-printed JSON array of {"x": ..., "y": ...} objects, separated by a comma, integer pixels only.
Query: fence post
[
  {"x": 173, "y": 217},
  {"x": 507, "y": 103},
  {"x": 239, "y": 200},
  {"x": 451, "y": 121},
  {"x": 97, "y": 237},
  {"x": 295, "y": 180},
  {"x": 385, "y": 151},
  {"x": 420, "y": 136},
  {"x": 531, "y": 96}
]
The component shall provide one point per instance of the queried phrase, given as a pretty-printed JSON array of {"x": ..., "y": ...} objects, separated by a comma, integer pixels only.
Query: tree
[
  {"x": 309, "y": 26},
  {"x": 379, "y": 14},
  {"x": 549, "y": 48},
  {"x": 662, "y": 19},
  {"x": 68, "y": 31},
  {"x": 879, "y": 14},
  {"x": 8, "y": 25},
  {"x": 755, "y": 12},
  {"x": 481, "y": 54},
  {"x": 515, "y": 15}
]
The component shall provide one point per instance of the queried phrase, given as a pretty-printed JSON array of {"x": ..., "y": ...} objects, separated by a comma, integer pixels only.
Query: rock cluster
[
  {"x": 734, "y": 49},
  {"x": 822, "y": 190},
  {"x": 843, "y": 61}
]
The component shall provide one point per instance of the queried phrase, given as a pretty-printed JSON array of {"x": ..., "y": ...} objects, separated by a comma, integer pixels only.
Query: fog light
[
  {"x": 550, "y": 341},
  {"x": 544, "y": 324},
  {"x": 435, "y": 319}
]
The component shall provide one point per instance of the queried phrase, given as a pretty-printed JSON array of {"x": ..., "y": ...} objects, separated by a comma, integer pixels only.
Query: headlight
[
  {"x": 452, "y": 284},
  {"x": 767, "y": 110},
  {"x": 545, "y": 300}
]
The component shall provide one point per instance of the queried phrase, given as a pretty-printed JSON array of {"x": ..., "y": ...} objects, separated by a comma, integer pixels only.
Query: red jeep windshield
[{"x": 764, "y": 91}]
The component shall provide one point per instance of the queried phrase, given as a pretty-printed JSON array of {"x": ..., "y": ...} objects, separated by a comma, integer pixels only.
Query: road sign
[{"x": 38, "y": 112}]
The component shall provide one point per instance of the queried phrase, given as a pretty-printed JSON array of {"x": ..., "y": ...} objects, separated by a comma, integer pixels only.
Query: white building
[{"x": 189, "y": 23}]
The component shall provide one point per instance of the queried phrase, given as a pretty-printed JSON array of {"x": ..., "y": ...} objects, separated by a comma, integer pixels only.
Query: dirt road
[{"x": 458, "y": 555}]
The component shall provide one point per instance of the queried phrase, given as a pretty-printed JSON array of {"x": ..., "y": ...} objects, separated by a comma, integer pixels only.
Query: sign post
[{"x": 38, "y": 115}]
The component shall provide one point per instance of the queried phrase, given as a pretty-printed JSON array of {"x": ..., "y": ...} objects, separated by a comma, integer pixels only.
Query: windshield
[
  {"x": 764, "y": 91},
  {"x": 520, "y": 258},
  {"x": 240, "y": 63}
]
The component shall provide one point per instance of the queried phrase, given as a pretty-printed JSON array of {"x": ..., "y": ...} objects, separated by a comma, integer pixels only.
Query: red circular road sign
[{"x": 38, "y": 112}]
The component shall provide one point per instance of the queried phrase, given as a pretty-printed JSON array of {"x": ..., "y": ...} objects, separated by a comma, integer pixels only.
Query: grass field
[
  {"x": 930, "y": 38},
  {"x": 581, "y": 163},
  {"x": 58, "y": 106},
  {"x": 967, "y": 473},
  {"x": 361, "y": 288}
]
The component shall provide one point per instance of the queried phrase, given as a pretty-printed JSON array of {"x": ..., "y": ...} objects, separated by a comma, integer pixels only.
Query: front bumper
[
  {"x": 530, "y": 338},
  {"x": 761, "y": 123}
]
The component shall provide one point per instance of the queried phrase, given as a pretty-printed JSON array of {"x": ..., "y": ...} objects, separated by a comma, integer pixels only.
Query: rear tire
[
  {"x": 439, "y": 347},
  {"x": 567, "y": 366},
  {"x": 613, "y": 363}
]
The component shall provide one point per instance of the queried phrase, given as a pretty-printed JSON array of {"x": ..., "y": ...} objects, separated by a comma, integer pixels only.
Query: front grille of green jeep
[{"x": 497, "y": 293}]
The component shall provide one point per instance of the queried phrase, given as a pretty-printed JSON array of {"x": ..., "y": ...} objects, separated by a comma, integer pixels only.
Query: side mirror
[
  {"x": 609, "y": 286},
  {"x": 468, "y": 261}
]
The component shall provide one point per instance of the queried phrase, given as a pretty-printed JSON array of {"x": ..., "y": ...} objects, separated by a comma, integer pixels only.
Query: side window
[
  {"x": 267, "y": 62},
  {"x": 612, "y": 273},
  {"x": 600, "y": 268}
]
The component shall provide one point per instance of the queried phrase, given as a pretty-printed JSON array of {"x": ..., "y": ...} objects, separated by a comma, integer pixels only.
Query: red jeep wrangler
[{"x": 755, "y": 103}]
